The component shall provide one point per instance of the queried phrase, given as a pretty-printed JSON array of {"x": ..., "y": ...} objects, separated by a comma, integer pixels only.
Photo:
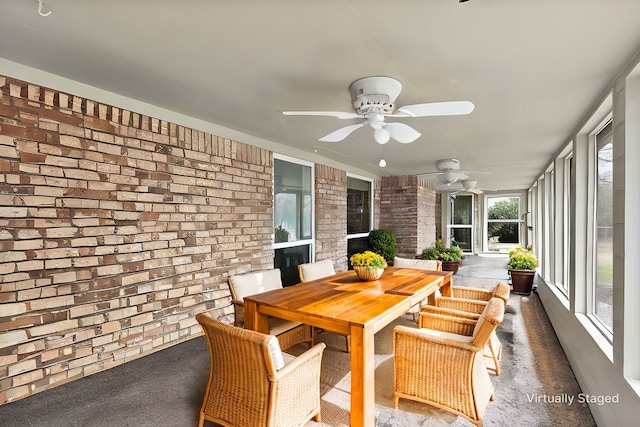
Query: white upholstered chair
[
  {"x": 289, "y": 333},
  {"x": 316, "y": 270}
]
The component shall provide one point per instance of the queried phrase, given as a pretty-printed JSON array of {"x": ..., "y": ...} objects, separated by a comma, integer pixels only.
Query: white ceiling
[{"x": 534, "y": 69}]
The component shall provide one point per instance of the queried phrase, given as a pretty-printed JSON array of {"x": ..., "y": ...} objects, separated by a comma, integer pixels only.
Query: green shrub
[
  {"x": 383, "y": 242},
  {"x": 439, "y": 252},
  {"x": 522, "y": 259}
]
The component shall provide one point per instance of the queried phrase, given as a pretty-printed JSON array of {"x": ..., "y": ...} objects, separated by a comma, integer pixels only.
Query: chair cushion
[
  {"x": 448, "y": 335},
  {"x": 276, "y": 353},
  {"x": 278, "y": 326},
  {"x": 420, "y": 264},
  {"x": 244, "y": 285},
  {"x": 288, "y": 358},
  {"x": 316, "y": 270}
]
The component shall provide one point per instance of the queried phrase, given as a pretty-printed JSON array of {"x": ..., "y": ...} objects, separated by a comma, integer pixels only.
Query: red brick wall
[
  {"x": 407, "y": 207},
  {"x": 116, "y": 229},
  {"x": 331, "y": 215}
]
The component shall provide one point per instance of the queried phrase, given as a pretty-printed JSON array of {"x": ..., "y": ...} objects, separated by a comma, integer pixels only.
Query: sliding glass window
[
  {"x": 503, "y": 223},
  {"x": 293, "y": 217},
  {"x": 602, "y": 307}
]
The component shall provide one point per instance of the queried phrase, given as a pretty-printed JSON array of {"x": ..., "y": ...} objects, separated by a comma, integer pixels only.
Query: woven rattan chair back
[{"x": 246, "y": 389}]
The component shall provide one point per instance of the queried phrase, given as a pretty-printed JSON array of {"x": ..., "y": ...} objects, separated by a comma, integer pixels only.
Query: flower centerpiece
[{"x": 368, "y": 265}]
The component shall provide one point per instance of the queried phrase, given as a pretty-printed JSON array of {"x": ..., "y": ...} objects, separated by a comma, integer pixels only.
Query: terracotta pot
[
  {"x": 522, "y": 281},
  {"x": 451, "y": 266},
  {"x": 368, "y": 275}
]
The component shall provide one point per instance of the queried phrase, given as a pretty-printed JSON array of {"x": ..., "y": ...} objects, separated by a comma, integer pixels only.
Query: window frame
[
  {"x": 604, "y": 329},
  {"x": 310, "y": 242},
  {"x": 371, "y": 206}
]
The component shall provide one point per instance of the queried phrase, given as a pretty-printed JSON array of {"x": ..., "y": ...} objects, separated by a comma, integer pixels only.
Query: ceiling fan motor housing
[
  {"x": 448, "y": 164},
  {"x": 375, "y": 95}
]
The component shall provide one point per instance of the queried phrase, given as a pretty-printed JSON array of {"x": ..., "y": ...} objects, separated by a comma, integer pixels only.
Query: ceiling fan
[
  {"x": 449, "y": 171},
  {"x": 470, "y": 186},
  {"x": 373, "y": 100}
]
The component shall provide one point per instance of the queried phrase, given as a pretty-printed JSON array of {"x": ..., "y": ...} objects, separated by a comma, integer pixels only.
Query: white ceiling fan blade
[
  {"x": 341, "y": 133},
  {"x": 401, "y": 132},
  {"x": 477, "y": 172},
  {"x": 452, "y": 108},
  {"x": 338, "y": 114}
]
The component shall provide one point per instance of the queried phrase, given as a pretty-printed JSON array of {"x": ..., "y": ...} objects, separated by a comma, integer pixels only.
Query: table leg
[
  {"x": 362, "y": 377},
  {"x": 255, "y": 320},
  {"x": 445, "y": 290}
]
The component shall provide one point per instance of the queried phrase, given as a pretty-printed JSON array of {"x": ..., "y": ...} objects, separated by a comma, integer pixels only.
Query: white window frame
[{"x": 371, "y": 206}]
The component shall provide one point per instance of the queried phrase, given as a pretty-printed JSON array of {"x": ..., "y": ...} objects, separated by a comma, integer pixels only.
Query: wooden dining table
[{"x": 344, "y": 304}]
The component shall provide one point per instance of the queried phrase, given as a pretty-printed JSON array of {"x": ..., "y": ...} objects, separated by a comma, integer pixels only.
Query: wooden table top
[{"x": 347, "y": 300}]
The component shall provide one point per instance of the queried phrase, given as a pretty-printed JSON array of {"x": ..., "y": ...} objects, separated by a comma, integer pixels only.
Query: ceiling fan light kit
[{"x": 469, "y": 185}]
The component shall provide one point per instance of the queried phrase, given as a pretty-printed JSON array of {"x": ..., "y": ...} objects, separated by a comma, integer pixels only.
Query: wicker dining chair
[
  {"x": 289, "y": 333},
  {"x": 443, "y": 365},
  {"x": 420, "y": 264},
  {"x": 474, "y": 300},
  {"x": 317, "y": 270},
  {"x": 253, "y": 383}
]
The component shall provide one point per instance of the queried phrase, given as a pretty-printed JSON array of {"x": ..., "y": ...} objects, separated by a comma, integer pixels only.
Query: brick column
[
  {"x": 407, "y": 207},
  {"x": 331, "y": 215}
]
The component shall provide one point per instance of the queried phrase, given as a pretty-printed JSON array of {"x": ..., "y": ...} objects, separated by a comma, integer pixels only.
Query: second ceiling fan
[{"x": 373, "y": 99}]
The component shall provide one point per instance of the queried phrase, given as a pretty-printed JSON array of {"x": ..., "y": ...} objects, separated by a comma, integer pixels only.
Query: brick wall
[
  {"x": 331, "y": 215},
  {"x": 407, "y": 207},
  {"x": 116, "y": 229}
]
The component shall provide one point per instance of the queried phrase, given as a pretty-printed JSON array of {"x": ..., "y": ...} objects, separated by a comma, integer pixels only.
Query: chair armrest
[
  {"x": 309, "y": 357},
  {"x": 461, "y": 304},
  {"x": 445, "y": 323},
  {"x": 297, "y": 384},
  {"x": 401, "y": 333},
  {"x": 471, "y": 293}
]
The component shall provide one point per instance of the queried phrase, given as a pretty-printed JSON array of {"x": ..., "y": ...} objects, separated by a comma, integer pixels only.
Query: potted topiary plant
[
  {"x": 522, "y": 269},
  {"x": 383, "y": 242},
  {"x": 449, "y": 256}
]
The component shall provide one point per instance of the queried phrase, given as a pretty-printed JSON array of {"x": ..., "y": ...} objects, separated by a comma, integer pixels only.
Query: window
[
  {"x": 603, "y": 289},
  {"x": 568, "y": 206},
  {"x": 293, "y": 217},
  {"x": 503, "y": 223},
  {"x": 461, "y": 221},
  {"x": 359, "y": 214},
  {"x": 358, "y": 205}
]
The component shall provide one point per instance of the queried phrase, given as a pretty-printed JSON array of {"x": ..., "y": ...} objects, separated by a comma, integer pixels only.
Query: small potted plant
[
  {"x": 450, "y": 257},
  {"x": 368, "y": 265},
  {"x": 522, "y": 269},
  {"x": 281, "y": 234},
  {"x": 383, "y": 242}
]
